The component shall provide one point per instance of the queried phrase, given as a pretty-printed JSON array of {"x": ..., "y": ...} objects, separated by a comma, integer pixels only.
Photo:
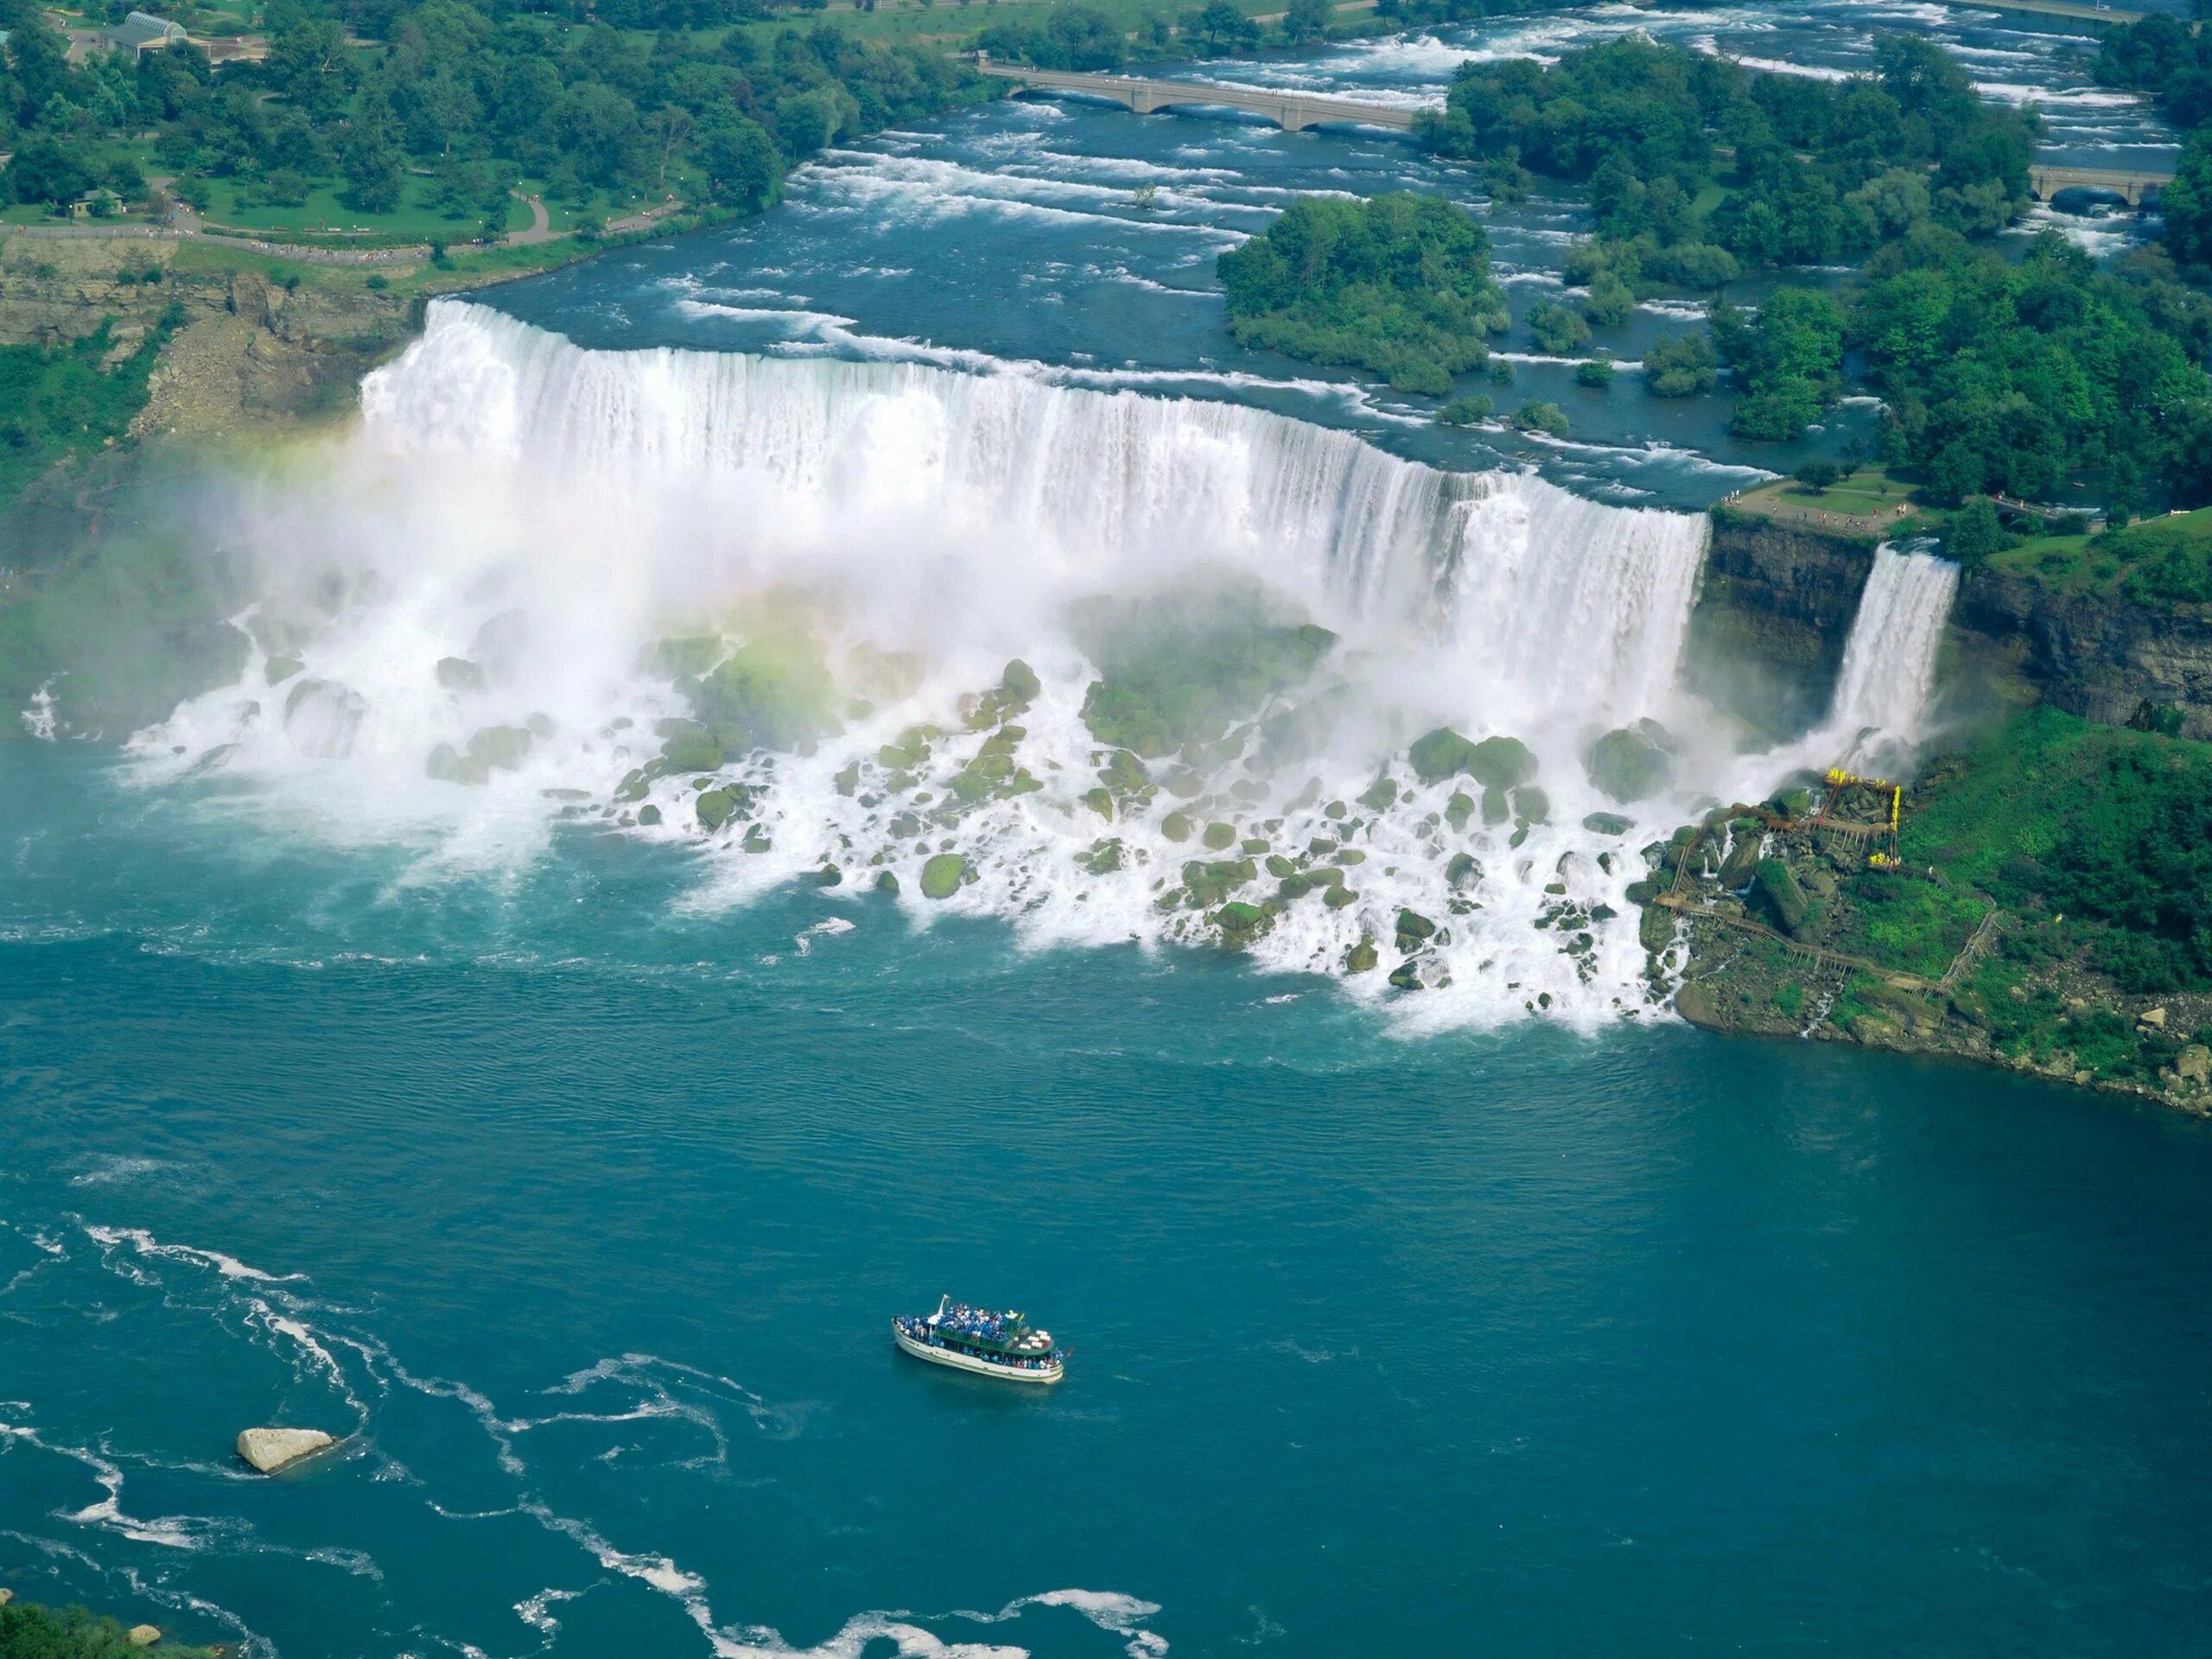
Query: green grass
[
  {"x": 1869, "y": 490},
  {"x": 2159, "y": 562},
  {"x": 1905, "y": 922},
  {"x": 414, "y": 219}
]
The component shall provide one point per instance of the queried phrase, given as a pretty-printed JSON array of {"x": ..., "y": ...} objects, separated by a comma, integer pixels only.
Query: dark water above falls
[
  {"x": 572, "y": 1167},
  {"x": 1007, "y": 239}
]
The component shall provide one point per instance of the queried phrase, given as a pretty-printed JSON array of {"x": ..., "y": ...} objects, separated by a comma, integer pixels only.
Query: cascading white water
[
  {"x": 1885, "y": 686},
  {"x": 521, "y": 519}
]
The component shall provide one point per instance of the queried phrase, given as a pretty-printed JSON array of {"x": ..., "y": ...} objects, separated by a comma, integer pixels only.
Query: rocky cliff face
[
  {"x": 2104, "y": 659},
  {"x": 252, "y": 353},
  {"x": 1773, "y": 611},
  {"x": 1776, "y": 606}
]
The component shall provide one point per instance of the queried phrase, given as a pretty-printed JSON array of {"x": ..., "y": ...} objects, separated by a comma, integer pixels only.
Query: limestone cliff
[
  {"x": 2102, "y": 656},
  {"x": 252, "y": 353}
]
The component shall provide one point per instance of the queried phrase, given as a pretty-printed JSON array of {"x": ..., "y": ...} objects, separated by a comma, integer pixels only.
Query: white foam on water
[{"x": 547, "y": 512}]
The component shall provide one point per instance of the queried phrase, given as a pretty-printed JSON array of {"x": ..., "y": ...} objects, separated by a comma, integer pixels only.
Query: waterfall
[
  {"x": 1541, "y": 594},
  {"x": 457, "y": 648},
  {"x": 1883, "y": 688}
]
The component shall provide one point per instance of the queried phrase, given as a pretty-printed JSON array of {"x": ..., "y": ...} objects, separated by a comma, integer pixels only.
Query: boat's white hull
[{"x": 959, "y": 1362}]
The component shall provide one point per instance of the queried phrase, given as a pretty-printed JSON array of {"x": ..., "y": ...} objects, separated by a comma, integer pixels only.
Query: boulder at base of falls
[
  {"x": 1778, "y": 886},
  {"x": 1018, "y": 685},
  {"x": 1239, "y": 923},
  {"x": 1220, "y": 836},
  {"x": 271, "y": 1449},
  {"x": 886, "y": 882},
  {"x": 1608, "y": 824},
  {"x": 1631, "y": 762},
  {"x": 942, "y": 874},
  {"x": 1439, "y": 754},
  {"x": 459, "y": 674},
  {"x": 1415, "y": 929},
  {"x": 1363, "y": 958},
  {"x": 1460, "y": 809},
  {"x": 1531, "y": 805},
  {"x": 1502, "y": 762}
]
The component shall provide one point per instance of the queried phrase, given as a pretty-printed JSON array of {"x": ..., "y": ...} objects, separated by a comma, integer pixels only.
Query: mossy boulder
[
  {"x": 649, "y": 815},
  {"x": 1379, "y": 795},
  {"x": 1220, "y": 836},
  {"x": 1460, "y": 809},
  {"x": 1363, "y": 958},
  {"x": 685, "y": 658},
  {"x": 1789, "y": 903},
  {"x": 1415, "y": 929},
  {"x": 1122, "y": 772},
  {"x": 1654, "y": 930},
  {"x": 1172, "y": 677},
  {"x": 1439, "y": 754},
  {"x": 1018, "y": 685},
  {"x": 1462, "y": 872},
  {"x": 1102, "y": 858},
  {"x": 1531, "y": 805},
  {"x": 1502, "y": 762},
  {"x": 774, "y": 690},
  {"x": 1742, "y": 862},
  {"x": 942, "y": 874},
  {"x": 1497, "y": 805},
  {"x": 886, "y": 882},
  {"x": 716, "y": 807},
  {"x": 1632, "y": 763},
  {"x": 910, "y": 752},
  {"x": 1239, "y": 923},
  {"x": 1608, "y": 824},
  {"x": 1176, "y": 826},
  {"x": 686, "y": 746},
  {"x": 277, "y": 669},
  {"x": 454, "y": 673},
  {"x": 1100, "y": 801},
  {"x": 495, "y": 748},
  {"x": 1339, "y": 897},
  {"x": 828, "y": 876}
]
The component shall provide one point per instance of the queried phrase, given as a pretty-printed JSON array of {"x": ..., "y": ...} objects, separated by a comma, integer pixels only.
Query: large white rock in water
[
  {"x": 270, "y": 1449},
  {"x": 143, "y": 1636}
]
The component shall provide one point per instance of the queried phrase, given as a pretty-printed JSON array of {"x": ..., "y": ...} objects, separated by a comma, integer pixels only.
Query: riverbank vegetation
[
  {"x": 71, "y": 399},
  {"x": 2050, "y": 909},
  {"x": 402, "y": 115},
  {"x": 29, "y": 1631},
  {"x": 1399, "y": 284}
]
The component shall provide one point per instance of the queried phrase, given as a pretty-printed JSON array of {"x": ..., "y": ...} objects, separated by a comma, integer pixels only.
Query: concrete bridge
[
  {"x": 1292, "y": 111},
  {"x": 2134, "y": 187}
]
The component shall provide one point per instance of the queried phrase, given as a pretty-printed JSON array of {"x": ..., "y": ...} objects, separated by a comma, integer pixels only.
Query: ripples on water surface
[{"x": 578, "y": 1192}]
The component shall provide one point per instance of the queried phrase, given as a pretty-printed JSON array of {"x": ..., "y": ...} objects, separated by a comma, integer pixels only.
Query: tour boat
[{"x": 979, "y": 1340}]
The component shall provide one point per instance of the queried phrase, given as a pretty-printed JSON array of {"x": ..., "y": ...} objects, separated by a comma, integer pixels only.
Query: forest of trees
[
  {"x": 1399, "y": 284},
  {"x": 476, "y": 98}
]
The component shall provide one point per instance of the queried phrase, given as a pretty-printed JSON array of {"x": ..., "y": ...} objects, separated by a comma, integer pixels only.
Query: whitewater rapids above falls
[{"x": 765, "y": 608}]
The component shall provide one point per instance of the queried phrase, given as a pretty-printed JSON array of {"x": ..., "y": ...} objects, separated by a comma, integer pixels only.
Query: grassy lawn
[
  {"x": 1869, "y": 490},
  {"x": 235, "y": 205}
]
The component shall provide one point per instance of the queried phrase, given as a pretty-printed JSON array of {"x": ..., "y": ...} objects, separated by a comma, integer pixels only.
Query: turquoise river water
[{"x": 568, "y": 1153}]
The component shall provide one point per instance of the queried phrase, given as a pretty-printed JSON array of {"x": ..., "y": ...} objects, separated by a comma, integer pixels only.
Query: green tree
[
  {"x": 1306, "y": 22},
  {"x": 1975, "y": 532},
  {"x": 2186, "y": 203},
  {"x": 1219, "y": 27}
]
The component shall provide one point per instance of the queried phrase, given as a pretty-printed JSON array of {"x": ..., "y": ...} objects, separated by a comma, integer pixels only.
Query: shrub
[
  {"x": 1594, "y": 372},
  {"x": 1536, "y": 415}
]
